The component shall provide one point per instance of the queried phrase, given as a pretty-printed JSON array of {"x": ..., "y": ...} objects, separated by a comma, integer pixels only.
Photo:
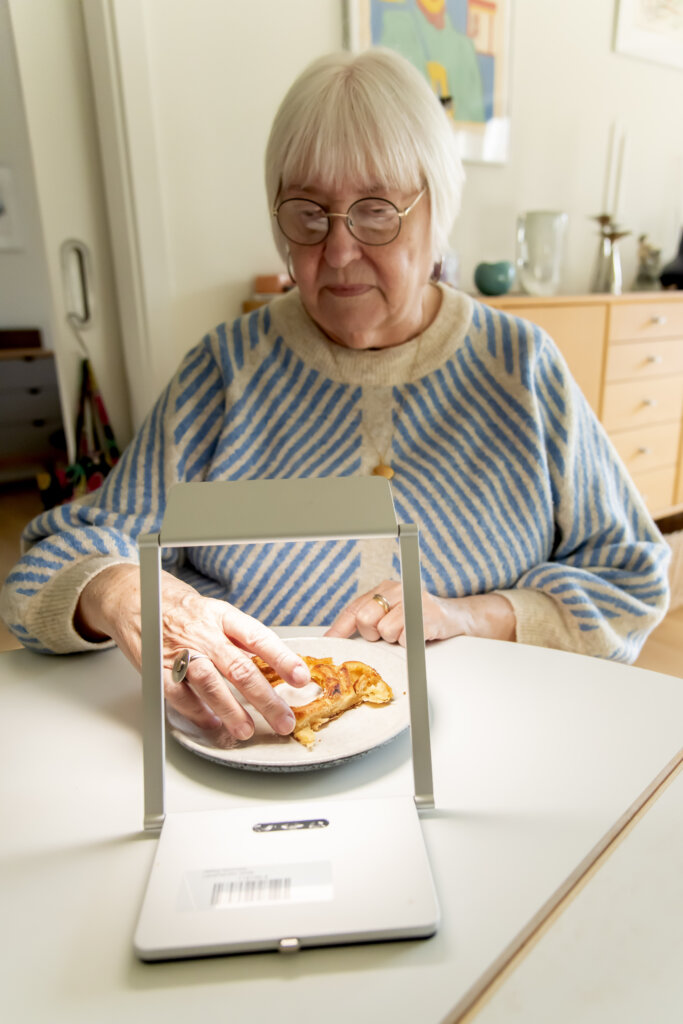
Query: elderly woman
[{"x": 530, "y": 528}]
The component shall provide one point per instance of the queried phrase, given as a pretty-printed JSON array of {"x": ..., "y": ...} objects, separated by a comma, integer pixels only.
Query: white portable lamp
[{"x": 282, "y": 876}]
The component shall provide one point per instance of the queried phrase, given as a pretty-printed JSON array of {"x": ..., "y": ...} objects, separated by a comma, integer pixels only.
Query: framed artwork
[
  {"x": 652, "y": 30},
  {"x": 462, "y": 47}
]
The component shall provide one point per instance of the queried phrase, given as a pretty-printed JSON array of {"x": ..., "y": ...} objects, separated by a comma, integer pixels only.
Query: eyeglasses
[{"x": 372, "y": 221}]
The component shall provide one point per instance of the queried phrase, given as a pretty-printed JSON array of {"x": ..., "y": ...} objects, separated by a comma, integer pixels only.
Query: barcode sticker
[
  {"x": 252, "y": 889},
  {"x": 263, "y": 886}
]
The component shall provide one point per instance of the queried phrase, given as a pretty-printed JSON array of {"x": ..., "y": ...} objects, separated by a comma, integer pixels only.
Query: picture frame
[
  {"x": 462, "y": 47},
  {"x": 650, "y": 30}
]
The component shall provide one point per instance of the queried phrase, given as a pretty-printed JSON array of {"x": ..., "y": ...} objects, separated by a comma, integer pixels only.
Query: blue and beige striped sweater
[{"x": 497, "y": 458}]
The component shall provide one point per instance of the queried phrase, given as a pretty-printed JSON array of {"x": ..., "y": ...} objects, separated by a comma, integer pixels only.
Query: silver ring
[
  {"x": 383, "y": 602},
  {"x": 182, "y": 663}
]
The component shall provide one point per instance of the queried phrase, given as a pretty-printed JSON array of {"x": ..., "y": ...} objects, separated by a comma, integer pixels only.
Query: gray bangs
[{"x": 342, "y": 141}]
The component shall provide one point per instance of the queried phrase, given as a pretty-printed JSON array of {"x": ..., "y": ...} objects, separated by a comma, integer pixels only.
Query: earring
[
  {"x": 289, "y": 266},
  {"x": 436, "y": 271}
]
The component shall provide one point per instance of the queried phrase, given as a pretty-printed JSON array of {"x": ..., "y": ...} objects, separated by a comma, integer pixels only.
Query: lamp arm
[
  {"x": 154, "y": 753},
  {"x": 416, "y": 665}
]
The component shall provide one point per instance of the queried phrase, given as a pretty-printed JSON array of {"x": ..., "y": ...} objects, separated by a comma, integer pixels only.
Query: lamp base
[{"x": 286, "y": 876}]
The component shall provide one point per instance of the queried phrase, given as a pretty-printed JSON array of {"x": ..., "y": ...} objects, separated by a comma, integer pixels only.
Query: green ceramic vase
[{"x": 494, "y": 278}]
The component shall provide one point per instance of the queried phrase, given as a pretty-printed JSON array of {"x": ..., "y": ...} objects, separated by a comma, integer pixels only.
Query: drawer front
[
  {"x": 32, "y": 371},
  {"x": 629, "y": 321},
  {"x": 28, "y": 440},
  {"x": 657, "y": 488},
  {"x": 648, "y": 447},
  {"x": 644, "y": 359},
  {"x": 24, "y": 405},
  {"x": 630, "y": 404}
]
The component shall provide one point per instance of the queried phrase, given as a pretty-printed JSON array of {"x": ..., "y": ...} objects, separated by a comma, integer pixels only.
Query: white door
[{"x": 52, "y": 64}]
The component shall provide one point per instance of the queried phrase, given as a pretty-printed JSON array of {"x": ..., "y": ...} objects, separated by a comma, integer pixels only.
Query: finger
[
  {"x": 188, "y": 704},
  {"x": 364, "y": 613},
  {"x": 431, "y": 622},
  {"x": 206, "y": 684},
  {"x": 239, "y": 668},
  {"x": 366, "y": 628},
  {"x": 344, "y": 625},
  {"x": 253, "y": 637},
  {"x": 346, "y": 622},
  {"x": 369, "y": 617},
  {"x": 391, "y": 626}
]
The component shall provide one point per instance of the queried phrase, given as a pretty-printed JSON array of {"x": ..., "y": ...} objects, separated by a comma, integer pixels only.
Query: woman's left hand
[{"x": 484, "y": 615}]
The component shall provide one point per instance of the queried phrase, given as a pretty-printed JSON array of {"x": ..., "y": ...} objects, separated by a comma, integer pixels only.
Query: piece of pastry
[{"x": 343, "y": 687}]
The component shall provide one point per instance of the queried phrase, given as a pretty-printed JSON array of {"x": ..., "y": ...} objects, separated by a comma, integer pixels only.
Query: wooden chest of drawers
[{"x": 626, "y": 353}]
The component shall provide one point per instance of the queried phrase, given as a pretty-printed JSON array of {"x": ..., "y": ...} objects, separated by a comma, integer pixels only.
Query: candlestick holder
[{"x": 607, "y": 273}]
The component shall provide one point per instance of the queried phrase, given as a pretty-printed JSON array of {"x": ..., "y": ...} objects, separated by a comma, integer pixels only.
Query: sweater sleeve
[
  {"x": 66, "y": 546},
  {"x": 605, "y": 586}
]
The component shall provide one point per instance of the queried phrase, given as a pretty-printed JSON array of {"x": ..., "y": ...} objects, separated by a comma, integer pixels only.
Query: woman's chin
[
  {"x": 357, "y": 335},
  {"x": 349, "y": 321}
]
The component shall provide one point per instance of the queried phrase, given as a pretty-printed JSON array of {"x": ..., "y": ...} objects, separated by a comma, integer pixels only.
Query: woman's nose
[{"x": 341, "y": 248}]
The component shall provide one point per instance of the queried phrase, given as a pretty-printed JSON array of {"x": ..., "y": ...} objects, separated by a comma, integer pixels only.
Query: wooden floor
[{"x": 663, "y": 651}]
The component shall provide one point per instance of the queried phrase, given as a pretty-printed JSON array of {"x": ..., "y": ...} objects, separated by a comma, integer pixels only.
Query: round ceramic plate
[{"x": 352, "y": 734}]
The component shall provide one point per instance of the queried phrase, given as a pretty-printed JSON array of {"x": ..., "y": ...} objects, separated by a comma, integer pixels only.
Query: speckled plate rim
[{"x": 352, "y": 735}]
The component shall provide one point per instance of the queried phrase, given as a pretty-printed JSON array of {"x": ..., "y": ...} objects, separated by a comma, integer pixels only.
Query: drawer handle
[
  {"x": 658, "y": 318},
  {"x": 644, "y": 450},
  {"x": 655, "y": 359},
  {"x": 652, "y": 402}
]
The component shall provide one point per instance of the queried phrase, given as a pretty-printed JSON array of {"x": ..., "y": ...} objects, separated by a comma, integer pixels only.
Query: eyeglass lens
[{"x": 371, "y": 221}]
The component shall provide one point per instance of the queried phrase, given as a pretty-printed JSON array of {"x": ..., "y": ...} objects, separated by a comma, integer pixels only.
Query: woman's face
[{"x": 365, "y": 296}]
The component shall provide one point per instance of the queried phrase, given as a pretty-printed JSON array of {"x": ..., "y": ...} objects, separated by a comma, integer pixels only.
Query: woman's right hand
[{"x": 109, "y": 607}]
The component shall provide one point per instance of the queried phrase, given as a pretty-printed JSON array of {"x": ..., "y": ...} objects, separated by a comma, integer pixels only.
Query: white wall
[
  {"x": 24, "y": 294},
  {"x": 218, "y": 75}
]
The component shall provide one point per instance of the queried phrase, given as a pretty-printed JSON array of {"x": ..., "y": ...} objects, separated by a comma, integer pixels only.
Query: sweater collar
[{"x": 380, "y": 367}]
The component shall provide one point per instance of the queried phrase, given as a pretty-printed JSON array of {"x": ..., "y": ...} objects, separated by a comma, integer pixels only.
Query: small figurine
[{"x": 647, "y": 278}]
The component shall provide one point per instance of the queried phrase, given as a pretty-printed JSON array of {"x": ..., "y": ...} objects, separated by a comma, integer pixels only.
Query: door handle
[{"x": 77, "y": 282}]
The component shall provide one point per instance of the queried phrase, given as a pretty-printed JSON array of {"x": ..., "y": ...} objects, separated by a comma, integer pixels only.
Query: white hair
[{"x": 369, "y": 117}]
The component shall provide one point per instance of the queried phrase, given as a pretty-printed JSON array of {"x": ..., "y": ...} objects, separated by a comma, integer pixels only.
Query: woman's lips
[{"x": 348, "y": 291}]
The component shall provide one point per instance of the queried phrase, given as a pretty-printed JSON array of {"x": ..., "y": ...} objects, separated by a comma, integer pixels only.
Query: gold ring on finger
[{"x": 382, "y": 601}]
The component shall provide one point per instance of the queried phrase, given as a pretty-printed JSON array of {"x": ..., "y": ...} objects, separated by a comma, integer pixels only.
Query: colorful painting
[
  {"x": 461, "y": 47},
  {"x": 651, "y": 29}
]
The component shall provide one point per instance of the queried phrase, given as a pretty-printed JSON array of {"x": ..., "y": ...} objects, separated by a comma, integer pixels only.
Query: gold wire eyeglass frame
[{"x": 347, "y": 217}]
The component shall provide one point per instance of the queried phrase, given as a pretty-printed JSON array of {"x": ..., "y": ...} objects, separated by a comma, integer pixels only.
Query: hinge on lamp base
[
  {"x": 424, "y": 803},
  {"x": 153, "y": 822}
]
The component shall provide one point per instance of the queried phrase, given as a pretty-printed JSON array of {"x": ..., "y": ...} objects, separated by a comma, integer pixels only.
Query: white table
[
  {"x": 615, "y": 955},
  {"x": 537, "y": 755}
]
